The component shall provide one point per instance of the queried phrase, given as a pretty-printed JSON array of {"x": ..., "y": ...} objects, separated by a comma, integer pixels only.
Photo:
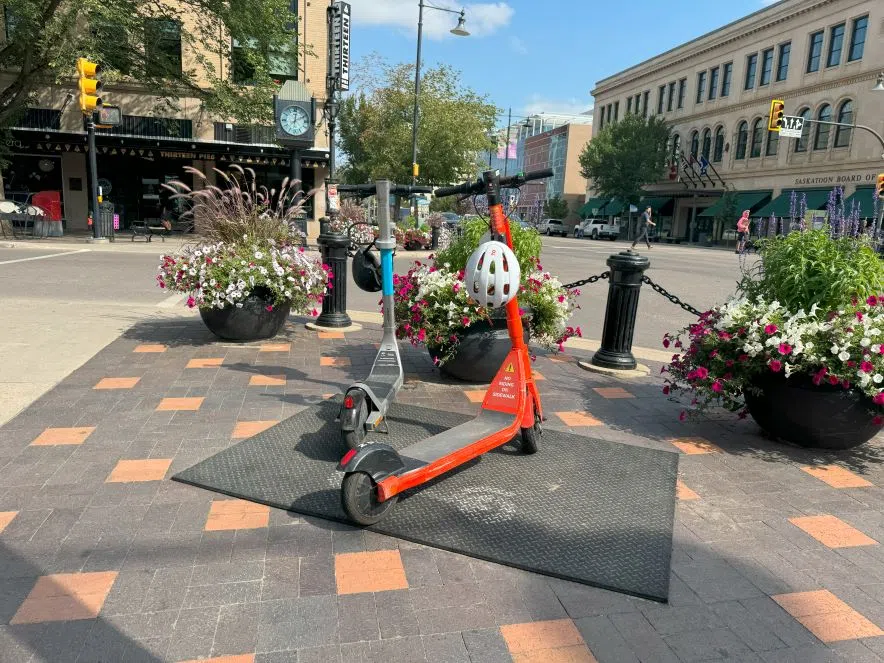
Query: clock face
[{"x": 294, "y": 120}]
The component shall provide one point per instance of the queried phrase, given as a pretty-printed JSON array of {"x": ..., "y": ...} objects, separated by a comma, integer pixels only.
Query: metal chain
[
  {"x": 591, "y": 279},
  {"x": 672, "y": 298}
]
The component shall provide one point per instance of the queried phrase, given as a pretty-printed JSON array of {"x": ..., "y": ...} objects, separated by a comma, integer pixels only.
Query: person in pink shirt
[{"x": 742, "y": 231}]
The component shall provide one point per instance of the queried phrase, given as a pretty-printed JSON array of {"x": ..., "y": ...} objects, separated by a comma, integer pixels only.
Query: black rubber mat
[{"x": 587, "y": 510}]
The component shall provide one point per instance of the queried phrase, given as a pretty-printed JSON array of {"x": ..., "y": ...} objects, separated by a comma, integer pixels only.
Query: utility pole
[
  {"x": 90, "y": 86},
  {"x": 506, "y": 154}
]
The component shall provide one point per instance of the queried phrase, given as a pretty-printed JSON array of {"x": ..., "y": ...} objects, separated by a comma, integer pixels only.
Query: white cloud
[
  {"x": 566, "y": 106},
  {"x": 481, "y": 19}
]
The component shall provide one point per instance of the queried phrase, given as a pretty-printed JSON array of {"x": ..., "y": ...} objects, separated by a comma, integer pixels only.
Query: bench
[{"x": 162, "y": 229}]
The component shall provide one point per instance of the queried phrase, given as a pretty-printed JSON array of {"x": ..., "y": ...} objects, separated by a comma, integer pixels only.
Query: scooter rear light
[
  {"x": 348, "y": 402},
  {"x": 348, "y": 457}
]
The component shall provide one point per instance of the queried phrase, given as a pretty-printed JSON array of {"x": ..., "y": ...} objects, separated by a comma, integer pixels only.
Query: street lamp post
[{"x": 459, "y": 30}]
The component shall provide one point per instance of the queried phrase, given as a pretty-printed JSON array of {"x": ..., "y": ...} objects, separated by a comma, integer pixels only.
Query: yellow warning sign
[{"x": 510, "y": 369}]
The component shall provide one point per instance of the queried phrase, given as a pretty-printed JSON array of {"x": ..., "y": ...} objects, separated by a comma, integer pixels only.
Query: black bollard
[
  {"x": 333, "y": 248},
  {"x": 627, "y": 269},
  {"x": 434, "y": 234}
]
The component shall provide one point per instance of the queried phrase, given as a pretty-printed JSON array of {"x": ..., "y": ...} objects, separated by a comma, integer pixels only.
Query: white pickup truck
[{"x": 598, "y": 229}]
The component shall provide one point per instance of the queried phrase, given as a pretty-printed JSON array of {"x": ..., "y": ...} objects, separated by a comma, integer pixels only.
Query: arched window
[
  {"x": 801, "y": 143},
  {"x": 757, "y": 138},
  {"x": 718, "y": 150},
  {"x": 845, "y": 116},
  {"x": 695, "y": 144},
  {"x": 821, "y": 140},
  {"x": 773, "y": 143},
  {"x": 676, "y": 147},
  {"x": 742, "y": 139},
  {"x": 707, "y": 144}
]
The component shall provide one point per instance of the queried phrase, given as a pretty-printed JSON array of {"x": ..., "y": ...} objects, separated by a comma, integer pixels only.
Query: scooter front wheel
[
  {"x": 359, "y": 497},
  {"x": 530, "y": 436}
]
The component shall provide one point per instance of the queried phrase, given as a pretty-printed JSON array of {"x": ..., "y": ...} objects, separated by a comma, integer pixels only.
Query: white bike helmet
[{"x": 492, "y": 275}]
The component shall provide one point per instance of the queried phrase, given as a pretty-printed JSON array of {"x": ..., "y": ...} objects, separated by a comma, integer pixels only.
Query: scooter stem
[{"x": 386, "y": 243}]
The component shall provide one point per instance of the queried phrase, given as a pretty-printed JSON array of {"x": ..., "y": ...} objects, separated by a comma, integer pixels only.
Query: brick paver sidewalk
[{"x": 103, "y": 558}]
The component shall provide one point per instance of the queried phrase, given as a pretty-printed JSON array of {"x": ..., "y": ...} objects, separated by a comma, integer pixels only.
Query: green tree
[
  {"x": 131, "y": 40},
  {"x": 556, "y": 207},
  {"x": 625, "y": 157},
  {"x": 375, "y": 126},
  {"x": 727, "y": 210}
]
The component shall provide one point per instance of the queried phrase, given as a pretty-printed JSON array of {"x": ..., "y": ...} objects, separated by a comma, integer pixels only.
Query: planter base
[
  {"x": 252, "y": 322},
  {"x": 481, "y": 351}
]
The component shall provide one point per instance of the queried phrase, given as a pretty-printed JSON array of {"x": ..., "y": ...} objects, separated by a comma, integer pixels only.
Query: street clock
[{"x": 294, "y": 122}]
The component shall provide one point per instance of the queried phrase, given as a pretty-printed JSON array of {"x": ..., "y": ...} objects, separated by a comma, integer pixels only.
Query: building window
[
  {"x": 766, "y": 66},
  {"x": 821, "y": 140},
  {"x": 638, "y": 102},
  {"x": 645, "y": 100},
  {"x": 670, "y": 99},
  {"x": 701, "y": 86},
  {"x": 845, "y": 116},
  {"x": 773, "y": 143},
  {"x": 718, "y": 150},
  {"x": 751, "y": 69},
  {"x": 801, "y": 143},
  {"x": 628, "y": 105},
  {"x": 758, "y": 129},
  {"x": 616, "y": 111},
  {"x": 682, "y": 91},
  {"x": 783, "y": 61},
  {"x": 815, "y": 52},
  {"x": 726, "y": 76},
  {"x": 661, "y": 94},
  {"x": 836, "y": 45},
  {"x": 676, "y": 146},
  {"x": 162, "y": 47},
  {"x": 858, "y": 39},
  {"x": 695, "y": 144},
  {"x": 707, "y": 144},
  {"x": 713, "y": 82},
  {"x": 742, "y": 139}
]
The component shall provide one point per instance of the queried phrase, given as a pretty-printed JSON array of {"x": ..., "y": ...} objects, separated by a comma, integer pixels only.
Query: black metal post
[
  {"x": 93, "y": 176},
  {"x": 333, "y": 247},
  {"x": 627, "y": 269},
  {"x": 434, "y": 241}
]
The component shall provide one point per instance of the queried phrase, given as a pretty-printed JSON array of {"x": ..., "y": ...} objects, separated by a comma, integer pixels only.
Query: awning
[
  {"x": 656, "y": 204},
  {"x": 781, "y": 205},
  {"x": 613, "y": 208},
  {"x": 864, "y": 198},
  {"x": 592, "y": 204},
  {"x": 750, "y": 200}
]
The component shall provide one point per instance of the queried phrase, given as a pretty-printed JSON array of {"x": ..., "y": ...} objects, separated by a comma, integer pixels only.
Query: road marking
[
  {"x": 51, "y": 255},
  {"x": 171, "y": 302}
]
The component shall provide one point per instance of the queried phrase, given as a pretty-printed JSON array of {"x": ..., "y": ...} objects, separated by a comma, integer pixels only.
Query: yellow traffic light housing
[
  {"x": 879, "y": 186},
  {"x": 777, "y": 111},
  {"x": 89, "y": 85}
]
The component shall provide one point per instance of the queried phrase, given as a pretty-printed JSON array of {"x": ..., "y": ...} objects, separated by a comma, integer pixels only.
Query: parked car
[
  {"x": 598, "y": 229},
  {"x": 451, "y": 219},
  {"x": 552, "y": 227}
]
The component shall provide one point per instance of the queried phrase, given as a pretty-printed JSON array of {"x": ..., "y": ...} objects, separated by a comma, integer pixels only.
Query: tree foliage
[
  {"x": 626, "y": 156},
  {"x": 376, "y": 126},
  {"x": 556, "y": 208},
  {"x": 727, "y": 209},
  {"x": 129, "y": 38}
]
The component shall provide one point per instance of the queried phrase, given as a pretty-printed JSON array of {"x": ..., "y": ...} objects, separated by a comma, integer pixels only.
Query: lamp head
[{"x": 460, "y": 29}]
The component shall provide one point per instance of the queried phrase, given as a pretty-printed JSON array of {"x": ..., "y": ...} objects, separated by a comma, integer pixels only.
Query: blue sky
[{"x": 546, "y": 55}]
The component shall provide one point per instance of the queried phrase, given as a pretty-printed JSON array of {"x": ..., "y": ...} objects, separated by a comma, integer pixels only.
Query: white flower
[
  {"x": 874, "y": 331},
  {"x": 843, "y": 356},
  {"x": 877, "y": 378},
  {"x": 834, "y": 349},
  {"x": 258, "y": 255},
  {"x": 864, "y": 379},
  {"x": 876, "y": 348},
  {"x": 866, "y": 342}
]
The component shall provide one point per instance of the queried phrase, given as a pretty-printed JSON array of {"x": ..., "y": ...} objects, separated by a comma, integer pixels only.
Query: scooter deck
[{"x": 460, "y": 437}]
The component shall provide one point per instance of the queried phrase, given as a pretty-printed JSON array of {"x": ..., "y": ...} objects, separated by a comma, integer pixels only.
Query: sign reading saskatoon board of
[{"x": 340, "y": 38}]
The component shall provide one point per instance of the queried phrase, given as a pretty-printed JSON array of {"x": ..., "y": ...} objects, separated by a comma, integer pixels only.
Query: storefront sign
[
  {"x": 340, "y": 38},
  {"x": 852, "y": 178}
]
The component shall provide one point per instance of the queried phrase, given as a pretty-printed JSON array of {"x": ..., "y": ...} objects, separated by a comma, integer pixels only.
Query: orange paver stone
[
  {"x": 150, "y": 347},
  {"x": 180, "y": 404},
  {"x": 239, "y": 658},
  {"x": 553, "y": 641},
  {"x": 695, "y": 445},
  {"x": 149, "y": 469},
  {"x": 334, "y": 361},
  {"x": 682, "y": 492},
  {"x": 826, "y": 616},
  {"x": 116, "y": 383},
  {"x": 327, "y": 396},
  {"x": 276, "y": 347},
  {"x": 330, "y": 334},
  {"x": 236, "y": 514},
  {"x": 538, "y": 376},
  {"x": 205, "y": 362},
  {"x": 578, "y": 419},
  {"x": 65, "y": 597},
  {"x": 832, "y": 532},
  {"x": 245, "y": 429},
  {"x": 561, "y": 359},
  {"x": 376, "y": 571},
  {"x": 836, "y": 476},
  {"x": 612, "y": 392},
  {"x": 475, "y": 395},
  {"x": 53, "y": 436},
  {"x": 267, "y": 381},
  {"x": 6, "y": 517}
]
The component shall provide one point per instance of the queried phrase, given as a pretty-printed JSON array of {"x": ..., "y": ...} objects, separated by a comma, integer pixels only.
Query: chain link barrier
[
  {"x": 592, "y": 279},
  {"x": 645, "y": 279}
]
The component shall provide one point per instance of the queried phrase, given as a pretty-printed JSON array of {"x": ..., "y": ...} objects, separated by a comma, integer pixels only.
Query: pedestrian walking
[
  {"x": 742, "y": 231},
  {"x": 647, "y": 224}
]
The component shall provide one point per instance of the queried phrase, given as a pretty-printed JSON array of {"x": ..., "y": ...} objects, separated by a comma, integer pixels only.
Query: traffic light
[
  {"x": 90, "y": 85},
  {"x": 777, "y": 111},
  {"x": 879, "y": 186}
]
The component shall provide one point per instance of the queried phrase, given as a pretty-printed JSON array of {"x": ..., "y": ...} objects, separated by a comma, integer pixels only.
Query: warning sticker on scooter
[{"x": 503, "y": 394}]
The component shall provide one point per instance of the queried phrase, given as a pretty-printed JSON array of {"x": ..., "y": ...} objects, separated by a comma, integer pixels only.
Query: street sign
[
  {"x": 792, "y": 126},
  {"x": 340, "y": 45},
  {"x": 333, "y": 205}
]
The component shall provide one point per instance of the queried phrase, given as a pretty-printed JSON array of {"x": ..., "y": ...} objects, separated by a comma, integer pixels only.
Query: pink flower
[
  {"x": 872, "y": 300},
  {"x": 859, "y": 316},
  {"x": 716, "y": 386},
  {"x": 785, "y": 349},
  {"x": 665, "y": 342},
  {"x": 561, "y": 298},
  {"x": 666, "y": 389},
  {"x": 878, "y": 420},
  {"x": 833, "y": 379},
  {"x": 521, "y": 312},
  {"x": 743, "y": 358},
  {"x": 702, "y": 372},
  {"x": 421, "y": 335},
  {"x": 465, "y": 321},
  {"x": 770, "y": 329},
  {"x": 879, "y": 398},
  {"x": 724, "y": 336},
  {"x": 775, "y": 365},
  {"x": 269, "y": 307},
  {"x": 866, "y": 367},
  {"x": 314, "y": 313},
  {"x": 682, "y": 416},
  {"x": 578, "y": 332},
  {"x": 729, "y": 363},
  {"x": 191, "y": 302},
  {"x": 456, "y": 287}
]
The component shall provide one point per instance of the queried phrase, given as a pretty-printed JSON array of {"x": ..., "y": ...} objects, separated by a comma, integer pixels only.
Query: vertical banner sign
[
  {"x": 333, "y": 197},
  {"x": 341, "y": 45}
]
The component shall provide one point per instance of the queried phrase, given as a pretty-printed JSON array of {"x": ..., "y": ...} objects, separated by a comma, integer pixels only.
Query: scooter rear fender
[
  {"x": 376, "y": 459},
  {"x": 349, "y": 417}
]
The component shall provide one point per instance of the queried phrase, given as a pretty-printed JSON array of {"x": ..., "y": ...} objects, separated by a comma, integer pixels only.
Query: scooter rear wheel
[
  {"x": 530, "y": 436},
  {"x": 359, "y": 497}
]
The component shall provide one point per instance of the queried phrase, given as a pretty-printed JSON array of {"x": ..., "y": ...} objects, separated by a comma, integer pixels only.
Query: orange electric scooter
[{"x": 376, "y": 473}]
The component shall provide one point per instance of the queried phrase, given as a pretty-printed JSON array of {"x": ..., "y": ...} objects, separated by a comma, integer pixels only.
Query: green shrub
[{"x": 526, "y": 245}]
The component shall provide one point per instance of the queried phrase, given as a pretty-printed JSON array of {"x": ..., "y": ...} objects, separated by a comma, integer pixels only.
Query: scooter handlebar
[
  {"x": 365, "y": 190},
  {"x": 477, "y": 187}
]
